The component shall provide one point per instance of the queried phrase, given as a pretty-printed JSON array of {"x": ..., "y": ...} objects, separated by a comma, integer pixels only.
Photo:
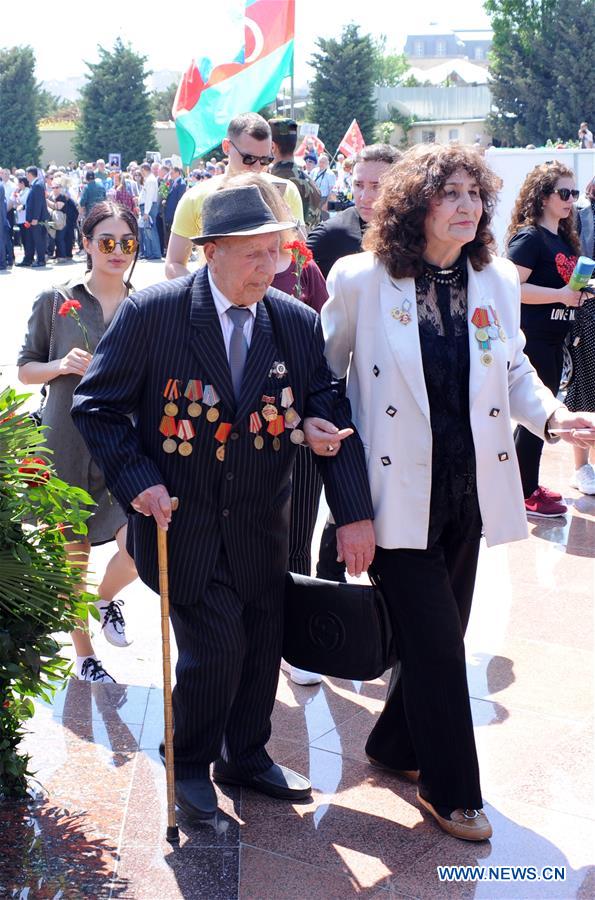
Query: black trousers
[
  {"x": 546, "y": 355},
  {"x": 327, "y": 566},
  {"x": 40, "y": 239},
  {"x": 306, "y": 487},
  {"x": 426, "y": 721},
  {"x": 229, "y": 650}
]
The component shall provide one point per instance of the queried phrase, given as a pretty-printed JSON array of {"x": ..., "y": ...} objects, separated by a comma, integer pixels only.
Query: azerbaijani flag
[{"x": 246, "y": 56}]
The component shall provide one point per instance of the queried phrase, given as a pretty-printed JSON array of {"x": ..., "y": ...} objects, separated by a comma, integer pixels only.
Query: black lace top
[{"x": 444, "y": 336}]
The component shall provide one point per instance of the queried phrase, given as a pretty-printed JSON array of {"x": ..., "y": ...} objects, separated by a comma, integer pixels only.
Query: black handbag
[{"x": 337, "y": 629}]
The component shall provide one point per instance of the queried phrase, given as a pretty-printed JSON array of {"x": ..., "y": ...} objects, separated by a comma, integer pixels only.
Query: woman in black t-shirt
[{"x": 543, "y": 243}]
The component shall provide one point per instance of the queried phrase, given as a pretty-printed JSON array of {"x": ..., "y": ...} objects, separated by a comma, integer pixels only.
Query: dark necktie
[{"x": 238, "y": 346}]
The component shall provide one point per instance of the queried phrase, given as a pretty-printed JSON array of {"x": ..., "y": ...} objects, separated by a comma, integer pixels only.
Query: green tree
[
  {"x": 162, "y": 102},
  {"x": 391, "y": 68},
  {"x": 116, "y": 112},
  {"x": 19, "y": 134},
  {"x": 535, "y": 64},
  {"x": 343, "y": 85}
]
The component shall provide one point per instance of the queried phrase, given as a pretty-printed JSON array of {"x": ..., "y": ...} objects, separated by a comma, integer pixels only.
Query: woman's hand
[
  {"x": 323, "y": 437},
  {"x": 76, "y": 362},
  {"x": 568, "y": 297},
  {"x": 576, "y": 428}
]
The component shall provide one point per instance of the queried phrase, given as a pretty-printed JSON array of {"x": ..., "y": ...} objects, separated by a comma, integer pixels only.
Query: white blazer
[{"x": 389, "y": 400}]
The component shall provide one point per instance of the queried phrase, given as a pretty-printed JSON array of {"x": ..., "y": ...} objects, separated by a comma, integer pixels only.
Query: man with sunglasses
[{"x": 248, "y": 147}]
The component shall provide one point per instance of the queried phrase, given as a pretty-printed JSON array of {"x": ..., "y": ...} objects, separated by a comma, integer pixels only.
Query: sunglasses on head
[
  {"x": 249, "y": 159},
  {"x": 108, "y": 245},
  {"x": 565, "y": 194}
]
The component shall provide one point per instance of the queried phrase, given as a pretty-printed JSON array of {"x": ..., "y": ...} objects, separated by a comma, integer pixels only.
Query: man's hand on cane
[{"x": 155, "y": 501}]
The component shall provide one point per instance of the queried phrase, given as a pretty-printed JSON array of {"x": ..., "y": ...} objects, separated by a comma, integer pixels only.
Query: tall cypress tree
[
  {"x": 539, "y": 49},
  {"x": 116, "y": 112},
  {"x": 19, "y": 134},
  {"x": 343, "y": 86}
]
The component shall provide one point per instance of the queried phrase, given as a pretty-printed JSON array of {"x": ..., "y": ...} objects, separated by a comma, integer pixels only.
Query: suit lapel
[
  {"x": 206, "y": 339},
  {"x": 404, "y": 339},
  {"x": 261, "y": 356}
]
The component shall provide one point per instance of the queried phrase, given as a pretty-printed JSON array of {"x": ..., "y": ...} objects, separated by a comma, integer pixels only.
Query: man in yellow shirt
[{"x": 248, "y": 146}]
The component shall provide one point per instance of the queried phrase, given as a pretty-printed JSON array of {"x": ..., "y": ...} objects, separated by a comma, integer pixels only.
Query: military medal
[
  {"x": 210, "y": 398},
  {"x": 297, "y": 436},
  {"x": 286, "y": 397},
  {"x": 276, "y": 427},
  {"x": 171, "y": 393},
  {"x": 186, "y": 432},
  {"x": 402, "y": 314},
  {"x": 194, "y": 393},
  {"x": 486, "y": 358},
  {"x": 221, "y": 435},
  {"x": 255, "y": 426},
  {"x": 292, "y": 418},
  {"x": 278, "y": 370},
  {"x": 270, "y": 412},
  {"x": 481, "y": 335},
  {"x": 167, "y": 427}
]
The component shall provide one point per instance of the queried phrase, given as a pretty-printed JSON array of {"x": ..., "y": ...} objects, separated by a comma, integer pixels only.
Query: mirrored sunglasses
[
  {"x": 249, "y": 159},
  {"x": 108, "y": 245}
]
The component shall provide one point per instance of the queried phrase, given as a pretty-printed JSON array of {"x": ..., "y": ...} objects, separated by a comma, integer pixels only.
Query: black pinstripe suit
[{"x": 228, "y": 541}]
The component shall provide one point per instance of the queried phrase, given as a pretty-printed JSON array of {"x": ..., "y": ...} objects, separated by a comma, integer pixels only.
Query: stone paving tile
[
  {"x": 194, "y": 873},
  {"x": 275, "y": 877}
]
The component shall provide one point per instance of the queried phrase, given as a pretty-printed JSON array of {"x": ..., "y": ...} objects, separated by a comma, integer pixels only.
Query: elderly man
[
  {"x": 227, "y": 377},
  {"x": 248, "y": 148}
]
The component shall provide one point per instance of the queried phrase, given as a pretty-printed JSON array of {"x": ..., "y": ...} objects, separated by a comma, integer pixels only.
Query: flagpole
[{"x": 292, "y": 96}]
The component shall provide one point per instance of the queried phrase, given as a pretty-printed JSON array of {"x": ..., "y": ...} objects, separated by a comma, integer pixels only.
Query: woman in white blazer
[{"x": 425, "y": 325}]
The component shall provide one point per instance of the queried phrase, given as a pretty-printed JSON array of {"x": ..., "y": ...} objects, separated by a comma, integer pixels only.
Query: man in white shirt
[
  {"x": 149, "y": 207},
  {"x": 324, "y": 179}
]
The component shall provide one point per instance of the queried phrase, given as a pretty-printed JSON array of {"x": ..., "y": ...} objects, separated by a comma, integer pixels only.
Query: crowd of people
[{"x": 392, "y": 377}]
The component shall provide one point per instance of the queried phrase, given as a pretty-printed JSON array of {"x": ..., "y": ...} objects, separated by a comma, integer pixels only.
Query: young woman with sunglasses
[
  {"x": 543, "y": 243},
  {"x": 57, "y": 351}
]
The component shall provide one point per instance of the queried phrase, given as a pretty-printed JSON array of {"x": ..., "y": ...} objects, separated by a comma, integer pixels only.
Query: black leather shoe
[
  {"x": 196, "y": 797},
  {"x": 22, "y": 265},
  {"x": 277, "y": 781}
]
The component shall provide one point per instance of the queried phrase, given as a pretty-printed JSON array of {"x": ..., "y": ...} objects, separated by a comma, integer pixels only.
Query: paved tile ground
[{"x": 96, "y": 828}]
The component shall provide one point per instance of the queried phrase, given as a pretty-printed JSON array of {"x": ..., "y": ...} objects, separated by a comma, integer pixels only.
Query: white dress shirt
[
  {"x": 222, "y": 304},
  {"x": 150, "y": 192}
]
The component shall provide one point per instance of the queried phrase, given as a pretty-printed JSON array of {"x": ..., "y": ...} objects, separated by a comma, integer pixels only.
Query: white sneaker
[
  {"x": 89, "y": 668},
  {"x": 112, "y": 622},
  {"x": 584, "y": 479},
  {"x": 300, "y": 676}
]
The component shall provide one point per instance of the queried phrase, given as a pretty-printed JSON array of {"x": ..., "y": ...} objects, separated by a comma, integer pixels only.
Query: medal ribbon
[
  {"x": 277, "y": 426},
  {"x": 186, "y": 429},
  {"x": 193, "y": 390},
  {"x": 255, "y": 423},
  {"x": 292, "y": 418},
  {"x": 222, "y": 432},
  {"x": 168, "y": 426},
  {"x": 480, "y": 317},
  {"x": 210, "y": 395},
  {"x": 172, "y": 392},
  {"x": 286, "y": 397}
]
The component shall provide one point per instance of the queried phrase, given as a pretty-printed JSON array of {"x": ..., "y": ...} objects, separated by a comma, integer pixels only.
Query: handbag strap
[{"x": 57, "y": 296}]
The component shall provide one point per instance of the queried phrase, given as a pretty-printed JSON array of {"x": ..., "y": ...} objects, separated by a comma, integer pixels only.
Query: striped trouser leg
[{"x": 305, "y": 497}]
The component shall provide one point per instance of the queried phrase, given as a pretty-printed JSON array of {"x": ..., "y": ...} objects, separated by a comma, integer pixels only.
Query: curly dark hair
[
  {"x": 106, "y": 209},
  {"x": 528, "y": 209},
  {"x": 396, "y": 234}
]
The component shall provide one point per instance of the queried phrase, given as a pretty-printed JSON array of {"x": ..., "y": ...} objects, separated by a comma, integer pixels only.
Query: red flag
[
  {"x": 318, "y": 146},
  {"x": 353, "y": 141}
]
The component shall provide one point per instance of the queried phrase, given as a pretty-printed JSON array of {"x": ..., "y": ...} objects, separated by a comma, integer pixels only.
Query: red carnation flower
[
  {"x": 67, "y": 306},
  {"x": 35, "y": 467}
]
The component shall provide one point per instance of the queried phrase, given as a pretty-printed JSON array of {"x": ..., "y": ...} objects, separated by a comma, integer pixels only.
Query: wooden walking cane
[{"x": 172, "y": 834}]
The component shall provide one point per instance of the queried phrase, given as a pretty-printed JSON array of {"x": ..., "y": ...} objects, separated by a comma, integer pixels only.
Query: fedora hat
[{"x": 237, "y": 212}]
